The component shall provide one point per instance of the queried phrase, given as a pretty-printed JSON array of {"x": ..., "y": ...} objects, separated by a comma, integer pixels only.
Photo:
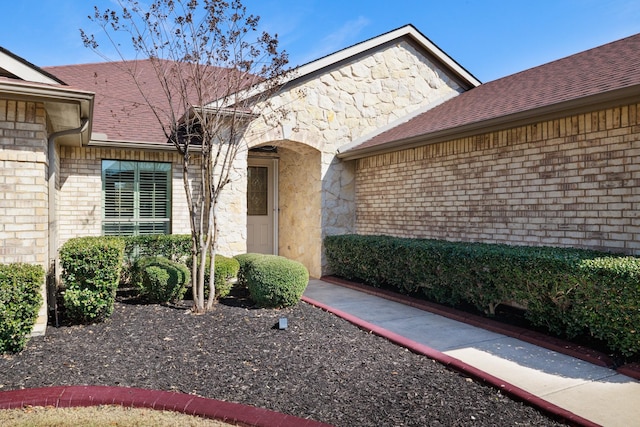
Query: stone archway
[{"x": 299, "y": 202}]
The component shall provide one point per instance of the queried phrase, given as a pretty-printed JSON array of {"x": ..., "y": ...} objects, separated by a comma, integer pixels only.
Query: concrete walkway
[{"x": 596, "y": 395}]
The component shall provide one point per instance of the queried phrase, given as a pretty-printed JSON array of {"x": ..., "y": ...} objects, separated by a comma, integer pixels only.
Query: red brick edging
[{"x": 72, "y": 396}]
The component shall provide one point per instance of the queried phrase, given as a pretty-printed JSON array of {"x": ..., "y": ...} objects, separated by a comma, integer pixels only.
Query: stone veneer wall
[
  {"x": 299, "y": 203},
  {"x": 334, "y": 108},
  {"x": 80, "y": 196},
  {"x": 573, "y": 181},
  {"x": 24, "y": 216}
]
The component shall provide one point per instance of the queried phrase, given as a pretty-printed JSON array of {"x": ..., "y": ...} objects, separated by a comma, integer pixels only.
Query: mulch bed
[{"x": 321, "y": 367}]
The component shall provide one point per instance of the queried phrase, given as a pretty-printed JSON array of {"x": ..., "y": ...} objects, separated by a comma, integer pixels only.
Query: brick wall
[
  {"x": 573, "y": 181},
  {"x": 80, "y": 196},
  {"x": 23, "y": 183},
  {"x": 24, "y": 216}
]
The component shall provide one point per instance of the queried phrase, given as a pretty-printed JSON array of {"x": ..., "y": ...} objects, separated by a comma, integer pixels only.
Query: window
[
  {"x": 136, "y": 198},
  {"x": 257, "y": 190}
]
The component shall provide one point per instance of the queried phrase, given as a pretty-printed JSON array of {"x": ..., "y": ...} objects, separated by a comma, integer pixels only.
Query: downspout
[{"x": 53, "y": 274}]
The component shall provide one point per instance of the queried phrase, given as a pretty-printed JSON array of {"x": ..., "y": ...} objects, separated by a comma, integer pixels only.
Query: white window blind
[{"x": 136, "y": 197}]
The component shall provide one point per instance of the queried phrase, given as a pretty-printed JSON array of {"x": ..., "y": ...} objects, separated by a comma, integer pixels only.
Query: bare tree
[{"x": 215, "y": 68}]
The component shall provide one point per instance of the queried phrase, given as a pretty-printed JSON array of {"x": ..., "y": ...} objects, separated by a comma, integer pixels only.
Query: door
[{"x": 261, "y": 206}]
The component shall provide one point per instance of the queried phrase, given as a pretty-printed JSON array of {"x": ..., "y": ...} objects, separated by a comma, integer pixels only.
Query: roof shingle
[
  {"x": 121, "y": 111},
  {"x": 606, "y": 68}
]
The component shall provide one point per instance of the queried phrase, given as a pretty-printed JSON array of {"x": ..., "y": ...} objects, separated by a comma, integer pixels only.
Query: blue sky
[{"x": 490, "y": 38}]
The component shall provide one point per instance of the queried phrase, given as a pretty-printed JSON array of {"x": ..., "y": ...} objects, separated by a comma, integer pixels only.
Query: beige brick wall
[
  {"x": 23, "y": 183},
  {"x": 80, "y": 196},
  {"x": 24, "y": 202},
  {"x": 573, "y": 182}
]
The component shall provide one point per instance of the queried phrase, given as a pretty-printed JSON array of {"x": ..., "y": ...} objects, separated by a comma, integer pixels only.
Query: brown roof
[
  {"x": 610, "y": 67},
  {"x": 121, "y": 111}
]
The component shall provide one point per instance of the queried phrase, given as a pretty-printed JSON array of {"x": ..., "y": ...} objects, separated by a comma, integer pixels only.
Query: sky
[{"x": 489, "y": 38}]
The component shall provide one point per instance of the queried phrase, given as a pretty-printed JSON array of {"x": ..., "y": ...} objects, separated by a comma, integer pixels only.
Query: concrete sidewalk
[{"x": 594, "y": 393}]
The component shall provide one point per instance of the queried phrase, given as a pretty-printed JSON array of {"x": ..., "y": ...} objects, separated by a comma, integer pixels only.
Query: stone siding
[
  {"x": 572, "y": 182},
  {"x": 299, "y": 203},
  {"x": 334, "y": 108},
  {"x": 24, "y": 215}
]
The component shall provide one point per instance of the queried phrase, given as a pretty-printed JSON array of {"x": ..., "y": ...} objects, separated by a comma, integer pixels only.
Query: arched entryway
[{"x": 284, "y": 202}]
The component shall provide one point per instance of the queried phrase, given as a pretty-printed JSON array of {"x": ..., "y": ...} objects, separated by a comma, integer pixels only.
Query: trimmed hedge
[
  {"x": 274, "y": 281},
  {"x": 20, "y": 301},
  {"x": 568, "y": 291},
  {"x": 160, "y": 279},
  {"x": 90, "y": 275}
]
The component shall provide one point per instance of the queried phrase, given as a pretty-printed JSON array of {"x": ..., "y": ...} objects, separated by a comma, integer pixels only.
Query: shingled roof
[
  {"x": 606, "y": 73},
  {"x": 121, "y": 113}
]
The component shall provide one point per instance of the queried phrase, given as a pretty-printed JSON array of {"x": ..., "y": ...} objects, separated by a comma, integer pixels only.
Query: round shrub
[
  {"x": 275, "y": 281},
  {"x": 225, "y": 272},
  {"x": 160, "y": 279},
  {"x": 244, "y": 263}
]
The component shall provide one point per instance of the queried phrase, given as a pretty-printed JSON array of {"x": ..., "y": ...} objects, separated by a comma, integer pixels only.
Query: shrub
[
  {"x": 609, "y": 303},
  {"x": 90, "y": 274},
  {"x": 176, "y": 247},
  {"x": 567, "y": 291},
  {"x": 226, "y": 270},
  {"x": 244, "y": 263},
  {"x": 275, "y": 281},
  {"x": 20, "y": 300},
  {"x": 160, "y": 279}
]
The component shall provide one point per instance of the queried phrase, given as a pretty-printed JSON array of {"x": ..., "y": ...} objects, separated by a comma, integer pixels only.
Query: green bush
[
  {"x": 160, "y": 279},
  {"x": 20, "y": 300},
  {"x": 275, "y": 281},
  {"x": 567, "y": 291},
  {"x": 609, "y": 303},
  {"x": 225, "y": 272},
  {"x": 244, "y": 263},
  {"x": 90, "y": 275},
  {"x": 176, "y": 247}
]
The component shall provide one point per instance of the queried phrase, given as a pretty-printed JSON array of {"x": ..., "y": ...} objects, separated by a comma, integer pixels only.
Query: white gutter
[{"x": 52, "y": 211}]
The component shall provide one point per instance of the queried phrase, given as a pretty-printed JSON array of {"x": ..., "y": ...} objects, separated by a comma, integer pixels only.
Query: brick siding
[
  {"x": 80, "y": 195},
  {"x": 24, "y": 204},
  {"x": 573, "y": 181},
  {"x": 23, "y": 183}
]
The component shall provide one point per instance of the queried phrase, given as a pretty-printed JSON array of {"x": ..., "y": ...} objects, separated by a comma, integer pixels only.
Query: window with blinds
[{"x": 136, "y": 198}]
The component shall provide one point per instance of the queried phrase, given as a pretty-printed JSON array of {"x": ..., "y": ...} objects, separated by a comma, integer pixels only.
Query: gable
[
  {"x": 15, "y": 67},
  {"x": 359, "y": 91},
  {"x": 603, "y": 76}
]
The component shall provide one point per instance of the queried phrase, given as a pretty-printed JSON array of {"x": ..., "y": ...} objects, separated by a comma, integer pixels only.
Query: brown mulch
[{"x": 321, "y": 367}]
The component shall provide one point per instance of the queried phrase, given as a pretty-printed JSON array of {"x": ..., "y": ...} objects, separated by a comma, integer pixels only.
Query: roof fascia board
[
  {"x": 53, "y": 95},
  {"x": 407, "y": 30},
  {"x": 97, "y": 142},
  {"x": 577, "y": 106},
  {"x": 25, "y": 70},
  {"x": 101, "y": 141},
  {"x": 20, "y": 90}
]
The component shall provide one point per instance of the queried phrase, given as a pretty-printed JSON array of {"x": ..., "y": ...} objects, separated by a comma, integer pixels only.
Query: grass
[{"x": 99, "y": 416}]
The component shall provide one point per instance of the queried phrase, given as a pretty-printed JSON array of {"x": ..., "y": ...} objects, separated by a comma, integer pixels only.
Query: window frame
[{"x": 129, "y": 216}]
